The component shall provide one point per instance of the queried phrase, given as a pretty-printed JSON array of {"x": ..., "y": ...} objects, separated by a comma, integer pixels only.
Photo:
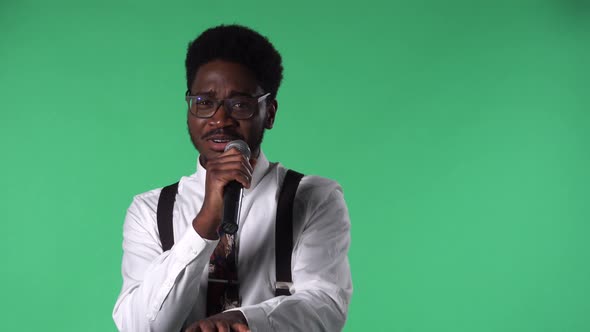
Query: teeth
[{"x": 220, "y": 140}]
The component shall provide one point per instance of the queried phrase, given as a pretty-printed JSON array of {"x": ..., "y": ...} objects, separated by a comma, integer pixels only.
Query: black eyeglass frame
[{"x": 225, "y": 102}]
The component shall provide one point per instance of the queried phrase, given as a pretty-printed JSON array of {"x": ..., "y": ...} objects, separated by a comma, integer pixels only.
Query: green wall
[{"x": 458, "y": 129}]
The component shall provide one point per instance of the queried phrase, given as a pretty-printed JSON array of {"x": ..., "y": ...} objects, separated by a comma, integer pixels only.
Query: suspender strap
[
  {"x": 284, "y": 232},
  {"x": 164, "y": 215}
]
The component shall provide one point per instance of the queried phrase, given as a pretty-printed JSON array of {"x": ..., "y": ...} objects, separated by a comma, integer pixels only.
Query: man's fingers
[
  {"x": 230, "y": 321},
  {"x": 230, "y": 164},
  {"x": 231, "y": 153},
  {"x": 222, "y": 326},
  {"x": 237, "y": 175},
  {"x": 207, "y": 326},
  {"x": 193, "y": 328},
  {"x": 239, "y": 327}
]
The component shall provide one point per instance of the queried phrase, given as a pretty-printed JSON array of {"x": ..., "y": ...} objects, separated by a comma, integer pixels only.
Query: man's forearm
[{"x": 158, "y": 297}]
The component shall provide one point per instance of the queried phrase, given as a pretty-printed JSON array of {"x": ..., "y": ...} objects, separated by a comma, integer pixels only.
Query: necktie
[{"x": 223, "y": 287}]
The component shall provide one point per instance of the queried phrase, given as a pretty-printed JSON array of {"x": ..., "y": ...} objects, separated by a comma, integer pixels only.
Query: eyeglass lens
[{"x": 240, "y": 107}]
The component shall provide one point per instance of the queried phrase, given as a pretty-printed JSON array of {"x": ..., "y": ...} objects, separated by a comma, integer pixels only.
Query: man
[{"x": 233, "y": 75}]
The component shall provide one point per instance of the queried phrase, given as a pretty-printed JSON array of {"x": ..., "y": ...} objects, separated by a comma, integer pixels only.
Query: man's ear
[{"x": 271, "y": 112}]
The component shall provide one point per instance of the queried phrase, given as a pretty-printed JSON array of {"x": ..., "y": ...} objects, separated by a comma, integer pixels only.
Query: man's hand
[
  {"x": 229, "y": 166},
  {"x": 229, "y": 321}
]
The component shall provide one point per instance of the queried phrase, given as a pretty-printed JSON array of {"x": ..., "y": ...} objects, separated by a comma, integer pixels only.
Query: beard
[{"x": 256, "y": 143}]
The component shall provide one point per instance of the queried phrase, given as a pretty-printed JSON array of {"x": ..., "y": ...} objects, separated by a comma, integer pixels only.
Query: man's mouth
[
  {"x": 218, "y": 142},
  {"x": 221, "y": 140}
]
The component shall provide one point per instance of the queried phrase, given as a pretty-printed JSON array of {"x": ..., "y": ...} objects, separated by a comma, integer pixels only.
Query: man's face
[{"x": 219, "y": 80}]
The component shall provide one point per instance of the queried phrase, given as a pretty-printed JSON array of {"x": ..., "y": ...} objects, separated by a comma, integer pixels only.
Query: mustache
[{"x": 222, "y": 131}]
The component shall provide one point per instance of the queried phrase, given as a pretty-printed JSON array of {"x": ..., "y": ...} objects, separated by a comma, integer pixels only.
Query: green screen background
[{"x": 458, "y": 130}]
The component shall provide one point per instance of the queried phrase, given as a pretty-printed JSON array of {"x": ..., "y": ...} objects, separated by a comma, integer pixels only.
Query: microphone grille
[{"x": 240, "y": 146}]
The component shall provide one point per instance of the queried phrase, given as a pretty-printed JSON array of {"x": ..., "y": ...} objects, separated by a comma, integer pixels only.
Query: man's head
[{"x": 230, "y": 63}]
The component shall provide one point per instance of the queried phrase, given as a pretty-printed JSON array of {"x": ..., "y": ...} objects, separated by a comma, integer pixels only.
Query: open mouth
[
  {"x": 218, "y": 142},
  {"x": 221, "y": 140}
]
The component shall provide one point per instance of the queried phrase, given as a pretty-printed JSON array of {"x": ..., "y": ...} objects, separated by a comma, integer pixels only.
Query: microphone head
[{"x": 240, "y": 146}]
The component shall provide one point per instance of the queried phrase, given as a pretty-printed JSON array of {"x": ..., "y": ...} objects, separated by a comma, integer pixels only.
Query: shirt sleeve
[
  {"x": 322, "y": 283},
  {"x": 158, "y": 288}
]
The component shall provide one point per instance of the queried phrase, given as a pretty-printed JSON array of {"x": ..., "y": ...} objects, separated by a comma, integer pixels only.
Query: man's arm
[
  {"x": 322, "y": 284},
  {"x": 159, "y": 288}
]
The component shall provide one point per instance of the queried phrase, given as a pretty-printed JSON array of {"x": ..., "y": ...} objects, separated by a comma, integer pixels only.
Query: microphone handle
[{"x": 232, "y": 200}]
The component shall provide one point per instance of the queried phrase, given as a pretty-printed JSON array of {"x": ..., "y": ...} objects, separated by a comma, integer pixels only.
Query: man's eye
[
  {"x": 203, "y": 102},
  {"x": 241, "y": 105}
]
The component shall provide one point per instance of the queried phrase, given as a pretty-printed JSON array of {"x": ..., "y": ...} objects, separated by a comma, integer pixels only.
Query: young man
[{"x": 211, "y": 281}]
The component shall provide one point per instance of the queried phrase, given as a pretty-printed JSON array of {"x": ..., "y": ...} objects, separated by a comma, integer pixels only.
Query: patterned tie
[{"x": 223, "y": 287}]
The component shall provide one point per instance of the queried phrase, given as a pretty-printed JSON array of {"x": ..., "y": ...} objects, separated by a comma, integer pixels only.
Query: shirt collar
[{"x": 262, "y": 165}]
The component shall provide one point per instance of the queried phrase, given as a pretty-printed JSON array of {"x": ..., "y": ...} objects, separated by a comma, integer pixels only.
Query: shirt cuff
[{"x": 256, "y": 318}]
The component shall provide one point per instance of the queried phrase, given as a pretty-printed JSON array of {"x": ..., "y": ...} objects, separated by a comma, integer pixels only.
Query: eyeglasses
[{"x": 238, "y": 107}]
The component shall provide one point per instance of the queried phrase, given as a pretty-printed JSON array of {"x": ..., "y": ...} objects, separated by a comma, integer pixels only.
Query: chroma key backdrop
[{"x": 459, "y": 130}]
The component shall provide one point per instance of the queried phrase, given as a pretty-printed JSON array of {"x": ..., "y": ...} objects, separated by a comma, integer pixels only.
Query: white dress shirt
[{"x": 161, "y": 291}]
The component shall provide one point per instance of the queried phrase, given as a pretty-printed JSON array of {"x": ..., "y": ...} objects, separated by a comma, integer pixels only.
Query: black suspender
[
  {"x": 164, "y": 215},
  {"x": 283, "y": 226},
  {"x": 284, "y": 232}
]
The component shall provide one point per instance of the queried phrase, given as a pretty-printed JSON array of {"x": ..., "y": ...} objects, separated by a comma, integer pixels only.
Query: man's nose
[{"x": 221, "y": 117}]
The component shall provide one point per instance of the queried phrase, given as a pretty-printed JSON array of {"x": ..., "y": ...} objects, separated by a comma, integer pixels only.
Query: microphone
[{"x": 232, "y": 194}]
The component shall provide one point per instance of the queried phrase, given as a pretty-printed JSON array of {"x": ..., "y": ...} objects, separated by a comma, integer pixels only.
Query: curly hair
[{"x": 239, "y": 44}]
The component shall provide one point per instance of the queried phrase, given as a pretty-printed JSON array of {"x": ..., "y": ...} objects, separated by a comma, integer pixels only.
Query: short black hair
[{"x": 239, "y": 44}]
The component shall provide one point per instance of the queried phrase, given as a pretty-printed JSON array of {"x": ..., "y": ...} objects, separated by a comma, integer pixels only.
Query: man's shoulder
[
  {"x": 150, "y": 198},
  {"x": 318, "y": 186},
  {"x": 319, "y": 201},
  {"x": 314, "y": 187},
  {"x": 147, "y": 200}
]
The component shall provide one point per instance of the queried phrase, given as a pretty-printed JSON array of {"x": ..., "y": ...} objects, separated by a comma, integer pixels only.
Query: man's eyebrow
[
  {"x": 232, "y": 93},
  {"x": 239, "y": 93}
]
